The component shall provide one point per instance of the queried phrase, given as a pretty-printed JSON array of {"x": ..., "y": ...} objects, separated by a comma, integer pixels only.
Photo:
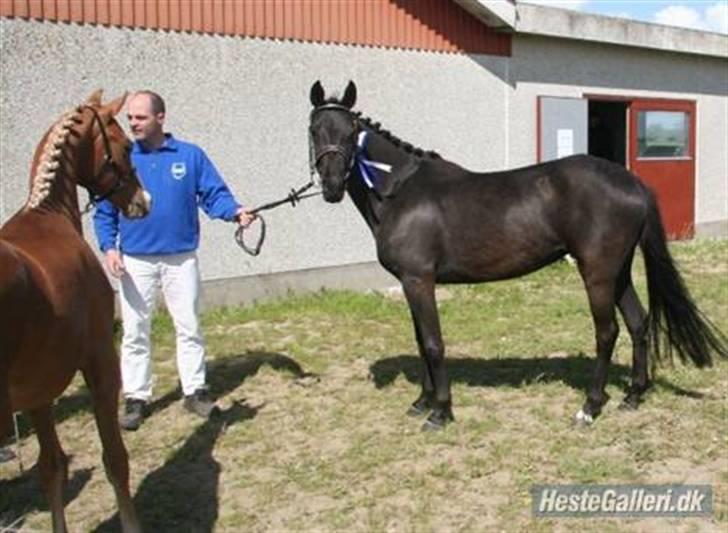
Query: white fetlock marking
[{"x": 581, "y": 416}]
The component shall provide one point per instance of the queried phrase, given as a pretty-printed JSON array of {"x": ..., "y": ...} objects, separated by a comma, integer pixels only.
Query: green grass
[{"x": 314, "y": 437}]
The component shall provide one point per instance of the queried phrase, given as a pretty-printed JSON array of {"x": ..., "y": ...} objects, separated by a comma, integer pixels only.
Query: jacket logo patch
[{"x": 179, "y": 170}]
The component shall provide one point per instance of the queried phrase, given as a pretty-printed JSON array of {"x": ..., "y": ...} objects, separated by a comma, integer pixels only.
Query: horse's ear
[
  {"x": 349, "y": 95},
  {"x": 95, "y": 97},
  {"x": 115, "y": 105},
  {"x": 317, "y": 94}
]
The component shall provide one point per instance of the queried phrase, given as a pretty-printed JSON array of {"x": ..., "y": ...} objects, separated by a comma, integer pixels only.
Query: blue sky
[{"x": 710, "y": 15}]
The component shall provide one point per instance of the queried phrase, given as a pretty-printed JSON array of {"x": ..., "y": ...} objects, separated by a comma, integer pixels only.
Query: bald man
[{"x": 160, "y": 250}]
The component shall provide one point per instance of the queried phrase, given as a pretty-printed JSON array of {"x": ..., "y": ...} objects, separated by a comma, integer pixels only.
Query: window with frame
[{"x": 662, "y": 134}]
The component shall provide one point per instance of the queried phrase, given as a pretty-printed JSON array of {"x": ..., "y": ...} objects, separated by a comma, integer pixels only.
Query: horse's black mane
[
  {"x": 407, "y": 147},
  {"x": 377, "y": 128}
]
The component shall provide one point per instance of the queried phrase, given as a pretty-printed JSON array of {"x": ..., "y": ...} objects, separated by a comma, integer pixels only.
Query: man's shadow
[
  {"x": 182, "y": 494},
  {"x": 576, "y": 371}
]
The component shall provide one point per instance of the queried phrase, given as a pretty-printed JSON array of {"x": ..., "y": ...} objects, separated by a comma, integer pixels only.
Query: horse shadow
[
  {"x": 227, "y": 372},
  {"x": 576, "y": 371},
  {"x": 22, "y": 495},
  {"x": 224, "y": 375},
  {"x": 182, "y": 494}
]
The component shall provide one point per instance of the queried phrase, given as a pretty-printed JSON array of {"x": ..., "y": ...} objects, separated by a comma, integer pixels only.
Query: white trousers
[{"x": 179, "y": 277}]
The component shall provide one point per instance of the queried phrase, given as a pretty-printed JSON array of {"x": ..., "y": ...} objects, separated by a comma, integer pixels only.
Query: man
[{"x": 161, "y": 250}]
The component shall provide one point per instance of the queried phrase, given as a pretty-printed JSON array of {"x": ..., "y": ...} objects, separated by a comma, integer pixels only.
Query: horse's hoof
[
  {"x": 416, "y": 411},
  {"x": 630, "y": 403},
  {"x": 437, "y": 421},
  {"x": 583, "y": 419},
  {"x": 430, "y": 426}
]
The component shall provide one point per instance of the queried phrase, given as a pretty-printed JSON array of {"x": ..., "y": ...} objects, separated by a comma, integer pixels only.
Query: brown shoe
[{"x": 200, "y": 403}]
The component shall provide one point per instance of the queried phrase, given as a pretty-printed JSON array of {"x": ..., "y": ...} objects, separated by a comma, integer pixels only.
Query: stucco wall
[
  {"x": 246, "y": 102},
  {"x": 544, "y": 65}
]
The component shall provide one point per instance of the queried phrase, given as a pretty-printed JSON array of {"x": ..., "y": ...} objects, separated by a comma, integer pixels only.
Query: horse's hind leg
[
  {"x": 52, "y": 464},
  {"x": 601, "y": 301},
  {"x": 103, "y": 380},
  {"x": 636, "y": 320},
  {"x": 425, "y": 401}
]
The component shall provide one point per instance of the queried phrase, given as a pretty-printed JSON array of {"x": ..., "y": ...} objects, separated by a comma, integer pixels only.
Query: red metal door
[{"x": 662, "y": 154}]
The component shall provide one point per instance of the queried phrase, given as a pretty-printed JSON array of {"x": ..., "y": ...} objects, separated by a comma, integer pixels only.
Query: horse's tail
[{"x": 674, "y": 321}]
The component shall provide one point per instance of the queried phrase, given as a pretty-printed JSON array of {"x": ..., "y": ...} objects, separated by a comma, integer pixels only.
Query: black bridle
[
  {"x": 335, "y": 149},
  {"x": 95, "y": 197},
  {"x": 296, "y": 195}
]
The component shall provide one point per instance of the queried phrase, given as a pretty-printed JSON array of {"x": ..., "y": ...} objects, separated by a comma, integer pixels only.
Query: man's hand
[
  {"x": 244, "y": 218},
  {"x": 114, "y": 263}
]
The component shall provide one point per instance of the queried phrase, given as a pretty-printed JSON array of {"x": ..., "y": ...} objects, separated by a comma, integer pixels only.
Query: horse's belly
[
  {"x": 483, "y": 266},
  {"x": 28, "y": 391}
]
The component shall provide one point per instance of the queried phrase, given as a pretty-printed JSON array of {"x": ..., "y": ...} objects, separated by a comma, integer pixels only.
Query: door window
[{"x": 662, "y": 134}]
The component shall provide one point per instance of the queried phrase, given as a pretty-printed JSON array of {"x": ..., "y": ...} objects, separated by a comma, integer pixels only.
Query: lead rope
[{"x": 294, "y": 197}]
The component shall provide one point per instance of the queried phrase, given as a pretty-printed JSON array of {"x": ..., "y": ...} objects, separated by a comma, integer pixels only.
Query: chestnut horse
[
  {"x": 56, "y": 304},
  {"x": 436, "y": 222}
]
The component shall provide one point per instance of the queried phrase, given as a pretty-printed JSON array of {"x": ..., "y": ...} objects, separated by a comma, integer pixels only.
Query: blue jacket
[{"x": 180, "y": 177}]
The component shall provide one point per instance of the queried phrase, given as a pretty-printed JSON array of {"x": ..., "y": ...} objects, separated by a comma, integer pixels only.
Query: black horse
[{"x": 435, "y": 222}]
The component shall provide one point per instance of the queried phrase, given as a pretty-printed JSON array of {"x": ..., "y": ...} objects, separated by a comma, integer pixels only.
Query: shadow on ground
[
  {"x": 23, "y": 495},
  {"x": 227, "y": 372},
  {"x": 576, "y": 371},
  {"x": 182, "y": 494}
]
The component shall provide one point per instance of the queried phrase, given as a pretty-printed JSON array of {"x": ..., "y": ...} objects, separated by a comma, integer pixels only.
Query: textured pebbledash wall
[{"x": 246, "y": 102}]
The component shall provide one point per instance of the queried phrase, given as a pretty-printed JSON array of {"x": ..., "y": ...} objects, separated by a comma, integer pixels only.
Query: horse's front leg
[
  {"x": 424, "y": 403},
  {"x": 420, "y": 293}
]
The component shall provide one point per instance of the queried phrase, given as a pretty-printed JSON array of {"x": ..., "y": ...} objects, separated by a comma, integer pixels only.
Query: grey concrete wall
[
  {"x": 547, "y": 66},
  {"x": 246, "y": 102}
]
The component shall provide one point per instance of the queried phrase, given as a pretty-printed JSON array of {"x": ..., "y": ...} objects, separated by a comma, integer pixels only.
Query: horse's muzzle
[
  {"x": 333, "y": 184},
  {"x": 333, "y": 194}
]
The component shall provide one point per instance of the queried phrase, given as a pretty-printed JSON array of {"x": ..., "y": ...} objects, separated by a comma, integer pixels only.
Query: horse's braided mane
[
  {"x": 377, "y": 128},
  {"x": 49, "y": 160},
  {"x": 407, "y": 147}
]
